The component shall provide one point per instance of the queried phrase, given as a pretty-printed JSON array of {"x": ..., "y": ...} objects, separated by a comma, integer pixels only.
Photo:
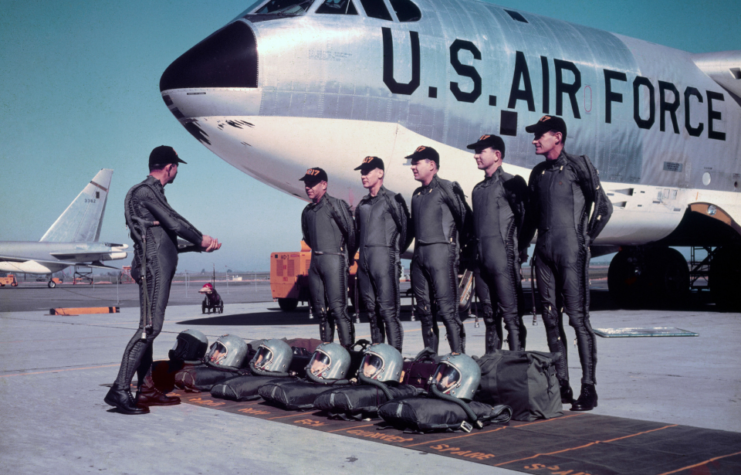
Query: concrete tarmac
[{"x": 53, "y": 368}]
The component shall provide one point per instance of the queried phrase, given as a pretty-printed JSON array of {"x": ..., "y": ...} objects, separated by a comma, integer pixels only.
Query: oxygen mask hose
[
  {"x": 532, "y": 290},
  {"x": 316, "y": 379},
  {"x": 379, "y": 384},
  {"x": 446, "y": 397},
  {"x": 261, "y": 372}
]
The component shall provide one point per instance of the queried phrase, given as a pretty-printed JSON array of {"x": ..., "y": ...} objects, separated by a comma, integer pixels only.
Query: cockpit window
[
  {"x": 284, "y": 8},
  {"x": 251, "y": 7},
  {"x": 337, "y": 7},
  {"x": 406, "y": 10},
  {"x": 376, "y": 9}
]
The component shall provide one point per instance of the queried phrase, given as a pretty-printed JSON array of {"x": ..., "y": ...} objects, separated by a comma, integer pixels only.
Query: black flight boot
[
  {"x": 587, "y": 399},
  {"x": 567, "y": 395},
  {"x": 155, "y": 397},
  {"x": 122, "y": 400}
]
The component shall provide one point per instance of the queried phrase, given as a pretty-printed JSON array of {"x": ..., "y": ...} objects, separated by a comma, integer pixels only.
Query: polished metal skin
[{"x": 658, "y": 123}]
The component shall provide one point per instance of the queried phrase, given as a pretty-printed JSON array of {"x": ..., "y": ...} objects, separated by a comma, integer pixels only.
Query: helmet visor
[
  {"x": 446, "y": 377},
  {"x": 262, "y": 358},
  {"x": 372, "y": 365},
  {"x": 319, "y": 362},
  {"x": 217, "y": 354}
]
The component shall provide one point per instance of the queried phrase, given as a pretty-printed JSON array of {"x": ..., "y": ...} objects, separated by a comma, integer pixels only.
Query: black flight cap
[
  {"x": 486, "y": 141},
  {"x": 370, "y": 163},
  {"x": 163, "y": 155},
  {"x": 314, "y": 176},
  {"x": 546, "y": 123},
  {"x": 423, "y": 152}
]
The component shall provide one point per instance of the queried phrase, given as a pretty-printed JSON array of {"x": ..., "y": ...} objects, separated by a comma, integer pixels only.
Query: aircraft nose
[{"x": 227, "y": 58}]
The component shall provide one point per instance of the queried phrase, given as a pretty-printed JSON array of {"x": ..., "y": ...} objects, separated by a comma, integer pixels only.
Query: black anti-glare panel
[{"x": 228, "y": 58}]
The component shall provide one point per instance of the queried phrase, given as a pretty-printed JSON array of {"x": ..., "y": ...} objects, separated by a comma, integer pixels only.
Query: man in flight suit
[
  {"x": 439, "y": 214},
  {"x": 155, "y": 228},
  {"x": 328, "y": 228},
  {"x": 381, "y": 219},
  {"x": 499, "y": 204},
  {"x": 563, "y": 189}
]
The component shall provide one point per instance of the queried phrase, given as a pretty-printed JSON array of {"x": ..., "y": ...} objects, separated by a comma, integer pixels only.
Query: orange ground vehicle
[
  {"x": 8, "y": 280},
  {"x": 288, "y": 277}
]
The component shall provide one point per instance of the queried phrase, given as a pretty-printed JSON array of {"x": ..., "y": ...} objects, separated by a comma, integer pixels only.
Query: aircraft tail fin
[
  {"x": 82, "y": 219},
  {"x": 724, "y": 67}
]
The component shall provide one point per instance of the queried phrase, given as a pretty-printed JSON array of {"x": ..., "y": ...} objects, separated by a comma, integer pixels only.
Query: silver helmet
[
  {"x": 382, "y": 362},
  {"x": 228, "y": 351},
  {"x": 273, "y": 356},
  {"x": 190, "y": 346},
  {"x": 330, "y": 362},
  {"x": 457, "y": 375}
]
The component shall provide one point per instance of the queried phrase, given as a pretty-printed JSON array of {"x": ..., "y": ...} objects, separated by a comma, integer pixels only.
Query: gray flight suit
[
  {"x": 562, "y": 193},
  {"x": 439, "y": 213},
  {"x": 499, "y": 204},
  {"x": 145, "y": 203},
  {"x": 329, "y": 230},
  {"x": 381, "y": 223}
]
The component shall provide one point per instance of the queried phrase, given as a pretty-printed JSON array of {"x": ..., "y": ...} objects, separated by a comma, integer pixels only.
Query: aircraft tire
[
  {"x": 623, "y": 281},
  {"x": 288, "y": 305},
  {"x": 724, "y": 277},
  {"x": 668, "y": 279},
  {"x": 52, "y": 284}
]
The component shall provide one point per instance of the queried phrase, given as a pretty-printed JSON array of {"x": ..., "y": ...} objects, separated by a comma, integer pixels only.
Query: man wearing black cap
[
  {"x": 329, "y": 231},
  {"x": 381, "y": 219},
  {"x": 499, "y": 204},
  {"x": 563, "y": 189},
  {"x": 439, "y": 214},
  {"x": 155, "y": 228}
]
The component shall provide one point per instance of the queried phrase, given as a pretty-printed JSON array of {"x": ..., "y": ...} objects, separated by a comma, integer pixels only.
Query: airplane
[
  {"x": 291, "y": 84},
  {"x": 71, "y": 241}
]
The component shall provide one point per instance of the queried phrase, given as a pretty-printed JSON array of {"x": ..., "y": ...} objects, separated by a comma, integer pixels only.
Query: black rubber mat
[{"x": 574, "y": 444}]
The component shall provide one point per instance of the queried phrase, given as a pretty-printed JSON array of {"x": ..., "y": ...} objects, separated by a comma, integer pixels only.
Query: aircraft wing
[{"x": 89, "y": 256}]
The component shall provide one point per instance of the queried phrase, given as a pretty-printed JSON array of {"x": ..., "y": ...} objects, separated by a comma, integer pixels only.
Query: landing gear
[
  {"x": 51, "y": 284},
  {"x": 288, "y": 305},
  {"x": 649, "y": 276},
  {"x": 724, "y": 277}
]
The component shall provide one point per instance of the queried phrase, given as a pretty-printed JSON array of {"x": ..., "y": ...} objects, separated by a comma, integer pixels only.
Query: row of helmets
[{"x": 456, "y": 375}]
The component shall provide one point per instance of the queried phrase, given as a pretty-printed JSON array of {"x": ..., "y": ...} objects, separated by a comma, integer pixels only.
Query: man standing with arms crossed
[
  {"x": 439, "y": 214},
  {"x": 499, "y": 204},
  {"x": 563, "y": 189},
  {"x": 154, "y": 228},
  {"x": 381, "y": 219},
  {"x": 328, "y": 228}
]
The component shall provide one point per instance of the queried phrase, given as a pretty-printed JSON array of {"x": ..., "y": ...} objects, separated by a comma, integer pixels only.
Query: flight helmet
[
  {"x": 457, "y": 375},
  {"x": 228, "y": 351},
  {"x": 330, "y": 362},
  {"x": 382, "y": 362},
  {"x": 273, "y": 356},
  {"x": 190, "y": 347}
]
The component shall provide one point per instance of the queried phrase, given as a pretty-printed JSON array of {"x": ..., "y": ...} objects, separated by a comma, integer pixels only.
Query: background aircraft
[
  {"x": 291, "y": 84},
  {"x": 71, "y": 240}
]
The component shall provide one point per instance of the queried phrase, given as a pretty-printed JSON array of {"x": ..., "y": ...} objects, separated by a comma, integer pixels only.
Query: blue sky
[{"x": 79, "y": 91}]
